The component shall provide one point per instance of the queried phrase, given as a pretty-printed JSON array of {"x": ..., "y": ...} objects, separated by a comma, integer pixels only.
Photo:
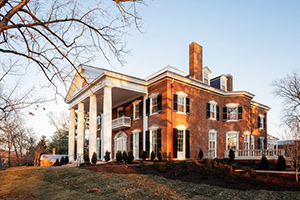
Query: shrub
[
  {"x": 231, "y": 155},
  {"x": 184, "y": 164},
  {"x": 200, "y": 155},
  {"x": 142, "y": 165},
  {"x": 169, "y": 164},
  {"x": 130, "y": 157},
  {"x": 162, "y": 168},
  {"x": 178, "y": 170},
  {"x": 124, "y": 156},
  {"x": 56, "y": 163},
  {"x": 281, "y": 164},
  {"x": 169, "y": 156},
  {"x": 264, "y": 163},
  {"x": 94, "y": 158},
  {"x": 62, "y": 160},
  {"x": 67, "y": 160},
  {"x": 119, "y": 156},
  {"x": 155, "y": 165},
  {"x": 152, "y": 155},
  {"x": 86, "y": 158},
  {"x": 144, "y": 155},
  {"x": 107, "y": 156},
  {"x": 159, "y": 157}
]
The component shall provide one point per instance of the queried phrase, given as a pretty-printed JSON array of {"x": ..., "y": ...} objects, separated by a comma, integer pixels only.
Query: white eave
[{"x": 254, "y": 103}]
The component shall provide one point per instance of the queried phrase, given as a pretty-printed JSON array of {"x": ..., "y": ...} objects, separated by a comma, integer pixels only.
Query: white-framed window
[
  {"x": 120, "y": 141},
  {"x": 135, "y": 142},
  {"x": 181, "y": 102},
  {"x": 232, "y": 111},
  {"x": 120, "y": 112},
  {"x": 262, "y": 124},
  {"x": 136, "y": 109},
  {"x": 153, "y": 139},
  {"x": 153, "y": 103},
  {"x": 181, "y": 141},
  {"x": 232, "y": 140},
  {"x": 223, "y": 84},
  {"x": 213, "y": 110},
  {"x": 252, "y": 142},
  {"x": 206, "y": 73},
  {"x": 212, "y": 143},
  {"x": 247, "y": 141},
  {"x": 99, "y": 122}
]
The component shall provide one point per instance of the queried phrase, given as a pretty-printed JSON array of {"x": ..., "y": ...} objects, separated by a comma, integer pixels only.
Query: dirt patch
[
  {"x": 233, "y": 180},
  {"x": 18, "y": 197}
]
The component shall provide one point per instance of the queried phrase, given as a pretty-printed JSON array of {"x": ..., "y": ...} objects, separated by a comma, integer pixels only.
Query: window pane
[{"x": 180, "y": 141}]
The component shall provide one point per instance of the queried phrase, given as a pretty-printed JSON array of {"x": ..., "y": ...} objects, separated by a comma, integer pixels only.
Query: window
[
  {"x": 206, "y": 73},
  {"x": 232, "y": 140},
  {"x": 223, "y": 85},
  {"x": 246, "y": 142},
  {"x": 252, "y": 142},
  {"x": 212, "y": 143},
  {"x": 98, "y": 122},
  {"x": 154, "y": 142},
  {"x": 212, "y": 110},
  {"x": 232, "y": 112},
  {"x": 121, "y": 112},
  {"x": 261, "y": 122},
  {"x": 181, "y": 103},
  {"x": 180, "y": 140},
  {"x": 136, "y": 109},
  {"x": 153, "y": 105}
]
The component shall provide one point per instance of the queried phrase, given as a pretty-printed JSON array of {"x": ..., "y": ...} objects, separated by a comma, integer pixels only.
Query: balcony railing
[
  {"x": 121, "y": 123},
  {"x": 244, "y": 154}
]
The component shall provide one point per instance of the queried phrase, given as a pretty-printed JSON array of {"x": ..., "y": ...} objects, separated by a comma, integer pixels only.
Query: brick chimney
[
  {"x": 196, "y": 61},
  {"x": 53, "y": 151},
  {"x": 229, "y": 82}
]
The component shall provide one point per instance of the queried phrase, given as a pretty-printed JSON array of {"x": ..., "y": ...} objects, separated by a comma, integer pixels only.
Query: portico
[{"x": 91, "y": 98}]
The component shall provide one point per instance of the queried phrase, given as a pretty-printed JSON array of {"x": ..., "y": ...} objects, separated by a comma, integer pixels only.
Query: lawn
[{"x": 76, "y": 183}]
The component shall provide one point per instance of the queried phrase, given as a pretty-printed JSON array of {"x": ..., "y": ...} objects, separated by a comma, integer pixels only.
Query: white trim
[
  {"x": 181, "y": 127},
  {"x": 181, "y": 93},
  {"x": 136, "y": 130},
  {"x": 232, "y": 105},
  {"x": 216, "y": 134},
  {"x": 223, "y": 78},
  {"x": 207, "y": 71},
  {"x": 136, "y": 102},
  {"x": 120, "y": 108},
  {"x": 153, "y": 95}
]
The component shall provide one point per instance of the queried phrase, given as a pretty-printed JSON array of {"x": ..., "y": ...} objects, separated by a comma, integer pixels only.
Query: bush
[
  {"x": 86, "y": 158},
  {"x": 231, "y": 155},
  {"x": 62, "y": 160},
  {"x": 264, "y": 163},
  {"x": 155, "y": 165},
  {"x": 281, "y": 164},
  {"x": 119, "y": 156},
  {"x": 178, "y": 171},
  {"x": 200, "y": 155},
  {"x": 162, "y": 168},
  {"x": 94, "y": 158},
  {"x": 142, "y": 165},
  {"x": 144, "y": 155},
  {"x": 169, "y": 164},
  {"x": 152, "y": 155},
  {"x": 107, "y": 156},
  {"x": 184, "y": 164},
  {"x": 124, "y": 156},
  {"x": 130, "y": 157},
  {"x": 56, "y": 163},
  {"x": 67, "y": 160},
  {"x": 169, "y": 156},
  {"x": 159, "y": 157}
]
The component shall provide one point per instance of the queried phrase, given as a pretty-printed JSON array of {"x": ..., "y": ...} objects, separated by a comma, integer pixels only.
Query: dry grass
[{"x": 74, "y": 183}]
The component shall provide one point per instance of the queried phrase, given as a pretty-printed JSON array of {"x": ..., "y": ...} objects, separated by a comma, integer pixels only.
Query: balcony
[
  {"x": 121, "y": 123},
  {"x": 256, "y": 154}
]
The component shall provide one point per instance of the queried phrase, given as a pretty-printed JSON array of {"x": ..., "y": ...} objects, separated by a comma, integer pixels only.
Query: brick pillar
[
  {"x": 196, "y": 66},
  {"x": 229, "y": 82}
]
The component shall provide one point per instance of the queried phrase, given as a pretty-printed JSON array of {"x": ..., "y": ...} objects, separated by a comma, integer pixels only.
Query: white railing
[
  {"x": 210, "y": 154},
  {"x": 256, "y": 153},
  {"x": 121, "y": 122}
]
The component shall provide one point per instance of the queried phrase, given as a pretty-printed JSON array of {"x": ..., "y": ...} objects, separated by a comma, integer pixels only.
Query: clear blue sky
[{"x": 255, "y": 41}]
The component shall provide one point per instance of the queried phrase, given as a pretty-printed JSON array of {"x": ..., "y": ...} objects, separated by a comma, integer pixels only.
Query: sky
[{"x": 255, "y": 41}]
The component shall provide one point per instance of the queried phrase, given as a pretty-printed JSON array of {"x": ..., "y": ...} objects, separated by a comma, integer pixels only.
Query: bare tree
[
  {"x": 288, "y": 88},
  {"x": 59, "y": 35}
]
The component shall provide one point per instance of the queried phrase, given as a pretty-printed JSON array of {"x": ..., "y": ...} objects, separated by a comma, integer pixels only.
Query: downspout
[{"x": 172, "y": 111}]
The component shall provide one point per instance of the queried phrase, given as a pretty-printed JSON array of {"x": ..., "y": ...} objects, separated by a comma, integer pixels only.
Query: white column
[
  {"x": 145, "y": 122},
  {"x": 93, "y": 126},
  {"x": 71, "y": 134},
  {"x": 80, "y": 132},
  {"x": 107, "y": 124}
]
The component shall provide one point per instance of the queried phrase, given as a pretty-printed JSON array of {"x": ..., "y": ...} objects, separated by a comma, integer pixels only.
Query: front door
[{"x": 180, "y": 144}]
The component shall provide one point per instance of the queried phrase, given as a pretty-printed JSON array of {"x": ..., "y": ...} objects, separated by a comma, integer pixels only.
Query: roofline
[{"x": 254, "y": 103}]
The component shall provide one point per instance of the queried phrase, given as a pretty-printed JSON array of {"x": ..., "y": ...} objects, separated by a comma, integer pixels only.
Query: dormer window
[
  {"x": 223, "y": 85},
  {"x": 206, "y": 73}
]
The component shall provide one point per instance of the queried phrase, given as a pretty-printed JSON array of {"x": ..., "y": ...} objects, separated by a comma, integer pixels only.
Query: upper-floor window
[
  {"x": 181, "y": 103},
  {"x": 232, "y": 112},
  {"x": 212, "y": 110},
  {"x": 153, "y": 104},
  {"x": 98, "y": 122},
  {"x": 121, "y": 112},
  {"x": 223, "y": 85},
  {"x": 136, "y": 109},
  {"x": 261, "y": 120},
  {"x": 206, "y": 73}
]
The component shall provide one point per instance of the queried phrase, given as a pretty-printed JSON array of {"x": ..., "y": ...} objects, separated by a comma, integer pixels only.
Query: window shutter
[
  {"x": 208, "y": 110},
  {"x": 265, "y": 123},
  {"x": 187, "y": 144},
  {"x": 218, "y": 113},
  {"x": 240, "y": 112},
  {"x": 123, "y": 112},
  {"x": 131, "y": 142},
  {"x": 131, "y": 112},
  {"x": 225, "y": 113},
  {"x": 258, "y": 121},
  {"x": 147, "y": 143},
  {"x": 158, "y": 140},
  {"x": 175, "y": 107},
  {"x": 159, "y": 98},
  {"x": 175, "y": 131},
  {"x": 148, "y": 107},
  {"x": 141, "y": 109},
  {"x": 140, "y": 144},
  {"x": 187, "y": 105},
  {"x": 258, "y": 144}
]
